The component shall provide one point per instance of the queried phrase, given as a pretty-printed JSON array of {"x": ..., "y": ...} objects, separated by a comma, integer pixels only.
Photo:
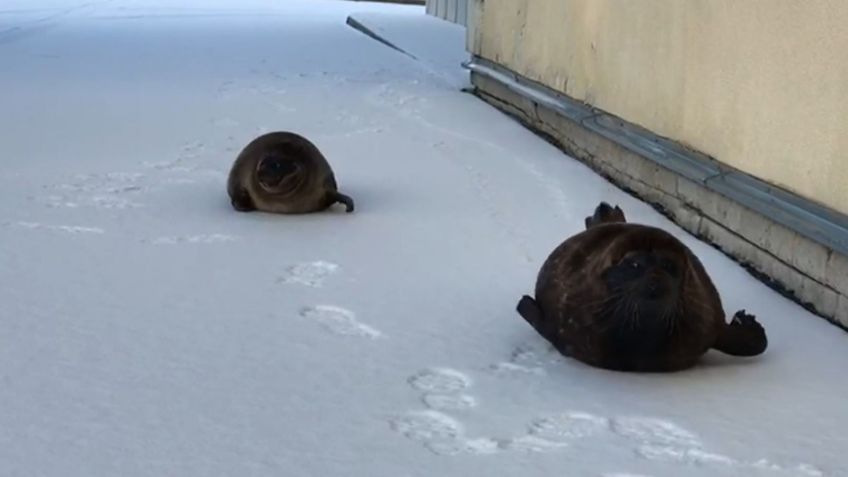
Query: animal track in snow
[
  {"x": 311, "y": 274},
  {"x": 339, "y": 321},
  {"x": 72, "y": 229},
  {"x": 439, "y": 380},
  {"x": 187, "y": 152},
  {"x": 102, "y": 191},
  {"x": 569, "y": 425},
  {"x": 204, "y": 238},
  {"x": 449, "y": 402}
]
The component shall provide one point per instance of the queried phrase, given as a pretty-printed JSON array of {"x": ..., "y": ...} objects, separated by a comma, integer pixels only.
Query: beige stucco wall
[{"x": 761, "y": 85}]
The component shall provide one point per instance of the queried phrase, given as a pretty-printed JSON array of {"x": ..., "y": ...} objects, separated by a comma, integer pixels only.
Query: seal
[
  {"x": 283, "y": 172},
  {"x": 631, "y": 297}
]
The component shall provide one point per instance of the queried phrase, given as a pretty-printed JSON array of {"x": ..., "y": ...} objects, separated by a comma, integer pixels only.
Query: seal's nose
[{"x": 654, "y": 288}]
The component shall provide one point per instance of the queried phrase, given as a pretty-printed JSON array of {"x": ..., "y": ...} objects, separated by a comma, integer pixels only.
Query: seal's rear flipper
[
  {"x": 241, "y": 201},
  {"x": 605, "y": 214},
  {"x": 742, "y": 337},
  {"x": 347, "y": 201}
]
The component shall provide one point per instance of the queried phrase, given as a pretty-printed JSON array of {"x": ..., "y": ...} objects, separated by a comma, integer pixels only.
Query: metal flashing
[{"x": 812, "y": 220}]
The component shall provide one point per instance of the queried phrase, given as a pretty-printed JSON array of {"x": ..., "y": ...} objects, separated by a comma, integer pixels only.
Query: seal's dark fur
[
  {"x": 632, "y": 297},
  {"x": 285, "y": 173}
]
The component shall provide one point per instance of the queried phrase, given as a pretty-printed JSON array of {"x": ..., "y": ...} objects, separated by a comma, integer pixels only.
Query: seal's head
[
  {"x": 280, "y": 174},
  {"x": 647, "y": 282}
]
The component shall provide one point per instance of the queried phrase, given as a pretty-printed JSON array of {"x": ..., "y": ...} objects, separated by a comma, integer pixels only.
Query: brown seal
[
  {"x": 631, "y": 297},
  {"x": 283, "y": 173}
]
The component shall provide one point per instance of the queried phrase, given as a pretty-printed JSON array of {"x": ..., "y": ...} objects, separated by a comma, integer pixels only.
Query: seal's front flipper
[
  {"x": 532, "y": 314},
  {"x": 529, "y": 310},
  {"x": 605, "y": 214},
  {"x": 241, "y": 201},
  {"x": 347, "y": 201},
  {"x": 744, "y": 336}
]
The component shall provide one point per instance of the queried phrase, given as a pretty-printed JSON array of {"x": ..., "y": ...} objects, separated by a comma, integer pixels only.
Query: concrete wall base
[{"x": 803, "y": 270}]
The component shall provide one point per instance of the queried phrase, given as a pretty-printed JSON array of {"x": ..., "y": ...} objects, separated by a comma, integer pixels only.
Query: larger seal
[
  {"x": 631, "y": 297},
  {"x": 285, "y": 173}
]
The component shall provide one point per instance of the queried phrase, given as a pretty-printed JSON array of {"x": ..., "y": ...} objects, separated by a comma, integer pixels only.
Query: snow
[{"x": 149, "y": 329}]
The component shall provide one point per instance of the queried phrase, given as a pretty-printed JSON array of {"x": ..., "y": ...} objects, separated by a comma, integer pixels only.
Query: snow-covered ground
[{"x": 147, "y": 329}]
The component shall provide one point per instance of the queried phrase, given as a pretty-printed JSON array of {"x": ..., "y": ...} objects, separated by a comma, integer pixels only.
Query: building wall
[
  {"x": 761, "y": 85},
  {"x": 455, "y": 11}
]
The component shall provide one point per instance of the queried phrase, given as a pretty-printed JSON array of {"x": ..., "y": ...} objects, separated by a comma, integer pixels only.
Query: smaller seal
[
  {"x": 631, "y": 297},
  {"x": 283, "y": 172}
]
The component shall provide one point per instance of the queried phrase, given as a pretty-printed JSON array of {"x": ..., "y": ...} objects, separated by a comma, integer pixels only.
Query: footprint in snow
[
  {"x": 427, "y": 426},
  {"x": 508, "y": 368},
  {"x": 531, "y": 443},
  {"x": 340, "y": 321},
  {"x": 439, "y": 380},
  {"x": 683, "y": 456},
  {"x": 194, "y": 239},
  {"x": 188, "y": 152},
  {"x": 311, "y": 274},
  {"x": 442, "y": 392},
  {"x": 440, "y": 434},
  {"x": 449, "y": 402},
  {"x": 568, "y": 425},
  {"x": 554, "y": 433},
  {"x": 480, "y": 446},
  {"x": 71, "y": 229},
  {"x": 101, "y": 191},
  {"x": 652, "y": 431},
  {"x": 528, "y": 359},
  {"x": 225, "y": 122},
  {"x": 623, "y": 474}
]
